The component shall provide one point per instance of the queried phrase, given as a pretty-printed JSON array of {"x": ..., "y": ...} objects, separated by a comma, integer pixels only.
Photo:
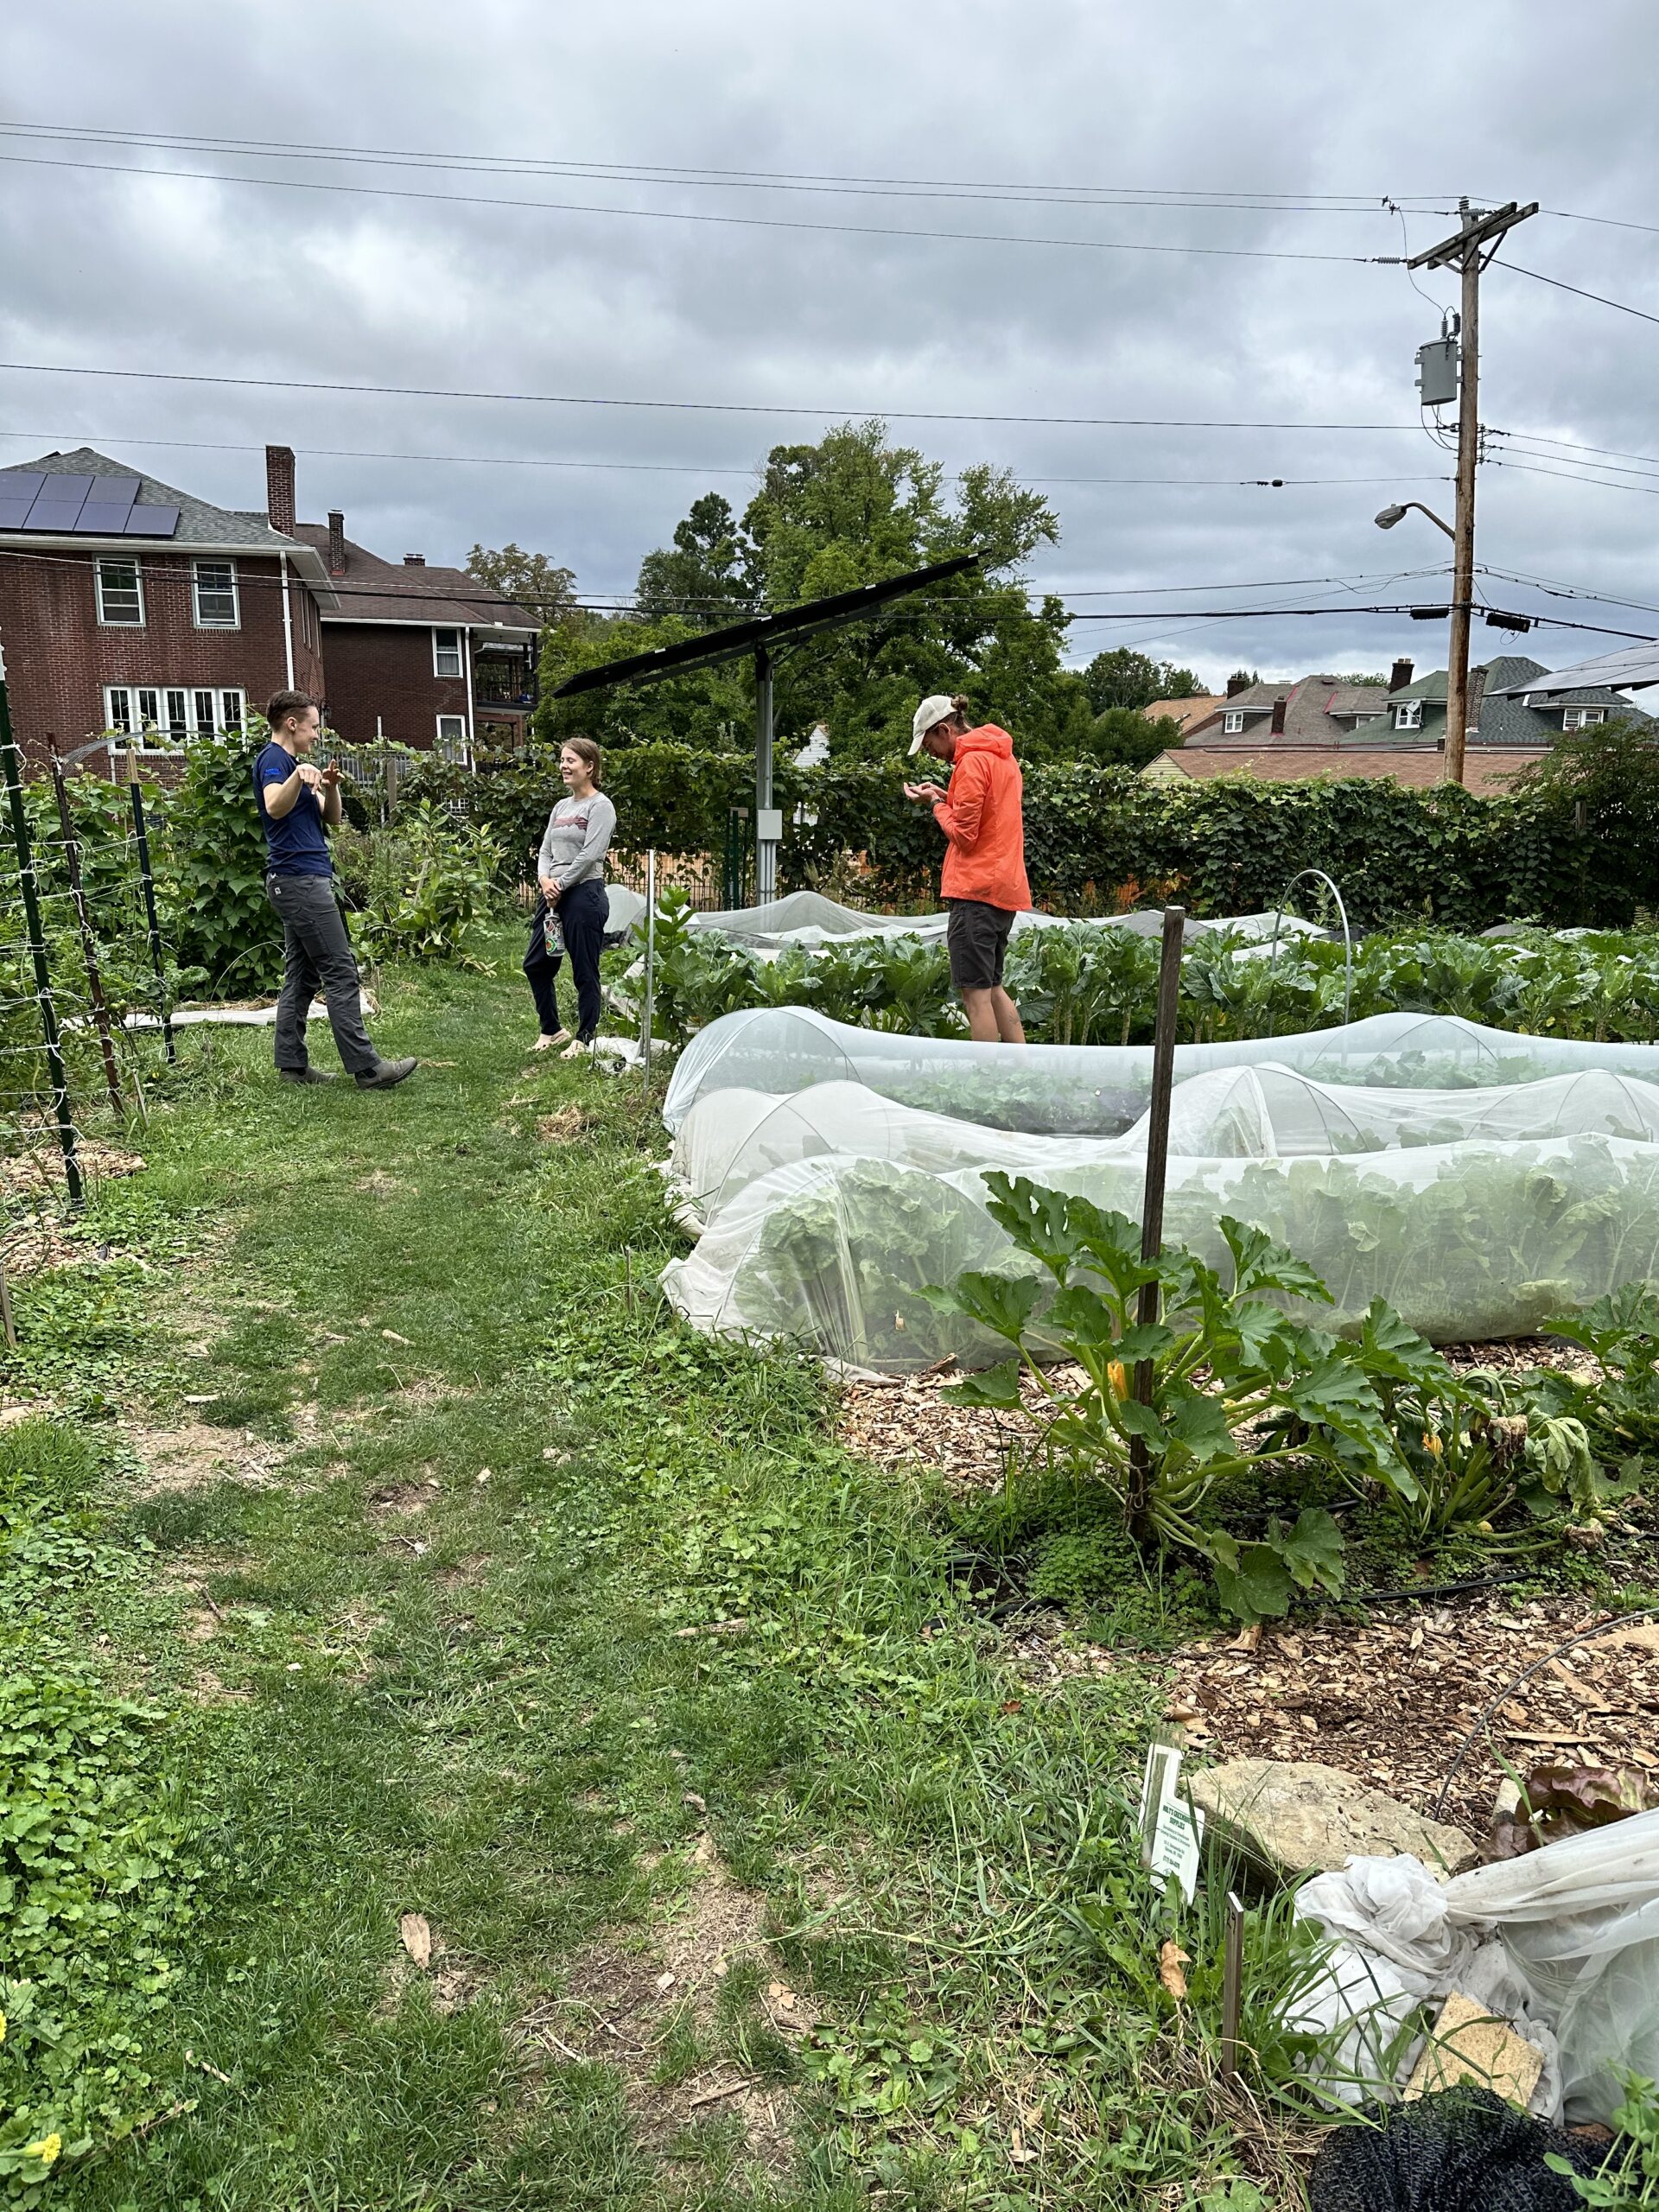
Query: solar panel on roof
[
  {"x": 12, "y": 512},
  {"x": 152, "y": 522},
  {"x": 21, "y": 484},
  {"x": 98, "y": 519},
  {"x": 115, "y": 491},
  {"x": 56, "y": 521}
]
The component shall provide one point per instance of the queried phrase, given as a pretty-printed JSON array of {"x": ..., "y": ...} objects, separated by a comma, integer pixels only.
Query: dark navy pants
[{"x": 583, "y": 913}]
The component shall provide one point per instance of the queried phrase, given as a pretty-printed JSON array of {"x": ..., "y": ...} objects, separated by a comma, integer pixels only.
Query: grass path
[{"x": 431, "y": 1551}]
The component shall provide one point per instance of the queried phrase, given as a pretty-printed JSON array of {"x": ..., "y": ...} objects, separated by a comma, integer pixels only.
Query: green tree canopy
[
  {"x": 530, "y": 579},
  {"x": 1124, "y": 677},
  {"x": 850, "y": 510}
]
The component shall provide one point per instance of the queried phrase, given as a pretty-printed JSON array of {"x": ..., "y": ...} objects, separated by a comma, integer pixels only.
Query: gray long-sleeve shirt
[{"x": 579, "y": 833}]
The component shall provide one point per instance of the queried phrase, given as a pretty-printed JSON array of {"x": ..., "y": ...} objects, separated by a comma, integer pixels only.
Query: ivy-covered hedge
[{"x": 1100, "y": 838}]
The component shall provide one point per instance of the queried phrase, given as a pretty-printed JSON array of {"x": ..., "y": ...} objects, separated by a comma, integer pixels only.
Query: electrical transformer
[{"x": 1437, "y": 372}]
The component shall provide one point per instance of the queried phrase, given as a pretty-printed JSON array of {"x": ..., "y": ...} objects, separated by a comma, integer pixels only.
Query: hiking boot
[
  {"x": 386, "y": 1075},
  {"x": 306, "y": 1075}
]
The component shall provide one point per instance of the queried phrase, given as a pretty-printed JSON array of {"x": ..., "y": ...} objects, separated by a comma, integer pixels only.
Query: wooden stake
[{"x": 1152, "y": 1208}]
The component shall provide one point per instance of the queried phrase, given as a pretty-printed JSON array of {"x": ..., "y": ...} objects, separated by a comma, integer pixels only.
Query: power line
[
  {"x": 1573, "y": 445},
  {"x": 1200, "y": 198},
  {"x": 1578, "y": 292},
  {"x": 1572, "y": 476},
  {"x": 682, "y": 406},
  {"x": 686, "y": 215},
  {"x": 1611, "y": 222},
  {"x": 658, "y": 467}
]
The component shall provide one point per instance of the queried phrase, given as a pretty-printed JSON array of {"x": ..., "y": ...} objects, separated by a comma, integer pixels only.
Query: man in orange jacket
[{"x": 983, "y": 882}]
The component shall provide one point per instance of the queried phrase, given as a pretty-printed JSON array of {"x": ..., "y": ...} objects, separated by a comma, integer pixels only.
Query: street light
[{"x": 1389, "y": 516}]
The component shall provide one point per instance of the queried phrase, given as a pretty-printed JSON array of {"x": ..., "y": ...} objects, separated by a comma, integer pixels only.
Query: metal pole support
[
  {"x": 88, "y": 943},
  {"x": 31, "y": 892},
  {"x": 158, "y": 961},
  {"x": 1232, "y": 1988},
  {"x": 1152, "y": 1208},
  {"x": 650, "y": 963}
]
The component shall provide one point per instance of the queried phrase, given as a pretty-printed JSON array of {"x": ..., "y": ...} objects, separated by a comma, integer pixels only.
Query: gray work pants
[{"x": 317, "y": 954}]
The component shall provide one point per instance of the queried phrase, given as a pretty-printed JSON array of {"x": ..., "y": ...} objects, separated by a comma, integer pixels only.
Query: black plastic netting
[{"x": 1460, "y": 2150}]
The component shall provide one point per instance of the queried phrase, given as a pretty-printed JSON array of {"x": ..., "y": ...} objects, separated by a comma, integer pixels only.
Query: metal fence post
[
  {"x": 37, "y": 952},
  {"x": 88, "y": 943},
  {"x": 651, "y": 963},
  {"x": 1151, "y": 1209},
  {"x": 157, "y": 960}
]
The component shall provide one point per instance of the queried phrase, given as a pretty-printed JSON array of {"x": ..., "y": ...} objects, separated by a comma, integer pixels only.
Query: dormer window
[
  {"x": 1232, "y": 722},
  {"x": 1408, "y": 714},
  {"x": 1583, "y": 717}
]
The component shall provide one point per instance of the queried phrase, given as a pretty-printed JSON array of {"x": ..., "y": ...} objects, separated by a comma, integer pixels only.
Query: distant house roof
[
  {"x": 1629, "y": 669},
  {"x": 1488, "y": 770},
  {"x": 1313, "y": 706},
  {"x": 1187, "y": 712},
  {"x": 373, "y": 590},
  {"x": 200, "y": 525}
]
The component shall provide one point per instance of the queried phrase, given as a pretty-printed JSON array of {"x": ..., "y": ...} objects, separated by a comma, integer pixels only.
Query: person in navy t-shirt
[{"x": 298, "y": 805}]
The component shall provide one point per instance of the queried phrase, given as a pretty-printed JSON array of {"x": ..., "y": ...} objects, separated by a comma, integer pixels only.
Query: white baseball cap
[{"x": 939, "y": 709}]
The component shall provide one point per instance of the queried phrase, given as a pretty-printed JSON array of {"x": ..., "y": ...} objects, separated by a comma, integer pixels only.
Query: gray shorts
[{"x": 976, "y": 938}]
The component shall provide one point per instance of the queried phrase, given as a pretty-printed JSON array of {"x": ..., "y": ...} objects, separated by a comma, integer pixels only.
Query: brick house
[
  {"x": 427, "y": 657},
  {"x": 127, "y": 605}
]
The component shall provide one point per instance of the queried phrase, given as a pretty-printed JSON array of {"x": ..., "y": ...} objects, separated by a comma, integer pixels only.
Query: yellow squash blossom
[
  {"x": 1432, "y": 1444},
  {"x": 1117, "y": 1377},
  {"x": 46, "y": 2150}
]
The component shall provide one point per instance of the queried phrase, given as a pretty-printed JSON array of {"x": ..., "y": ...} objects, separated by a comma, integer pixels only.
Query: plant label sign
[{"x": 1172, "y": 1830}]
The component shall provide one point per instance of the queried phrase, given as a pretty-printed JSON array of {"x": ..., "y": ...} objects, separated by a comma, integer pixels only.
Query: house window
[
  {"x": 216, "y": 606},
  {"x": 120, "y": 594},
  {"x": 1408, "y": 714},
  {"x": 452, "y": 737},
  {"x": 1583, "y": 717},
  {"x": 446, "y": 652},
  {"x": 168, "y": 715},
  {"x": 1232, "y": 722}
]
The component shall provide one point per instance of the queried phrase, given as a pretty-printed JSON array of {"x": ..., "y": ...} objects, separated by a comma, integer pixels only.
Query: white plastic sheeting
[
  {"x": 1467, "y": 1241},
  {"x": 732, "y": 1138},
  {"x": 1100, "y": 1089},
  {"x": 1563, "y": 1941},
  {"x": 808, "y": 919}
]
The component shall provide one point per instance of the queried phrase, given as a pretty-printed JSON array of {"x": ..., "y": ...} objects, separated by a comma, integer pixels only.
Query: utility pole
[{"x": 1468, "y": 251}]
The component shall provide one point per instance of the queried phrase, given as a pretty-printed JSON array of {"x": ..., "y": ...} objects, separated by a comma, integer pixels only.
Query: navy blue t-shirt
[{"x": 297, "y": 842}]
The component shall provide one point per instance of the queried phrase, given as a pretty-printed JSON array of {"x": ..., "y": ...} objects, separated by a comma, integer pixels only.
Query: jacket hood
[{"x": 987, "y": 738}]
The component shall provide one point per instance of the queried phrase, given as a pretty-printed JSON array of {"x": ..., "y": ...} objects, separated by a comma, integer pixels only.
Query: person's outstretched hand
[{"x": 928, "y": 792}]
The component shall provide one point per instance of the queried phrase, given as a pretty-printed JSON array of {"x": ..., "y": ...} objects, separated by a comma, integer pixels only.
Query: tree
[
  {"x": 706, "y": 576},
  {"x": 850, "y": 510},
  {"x": 1124, "y": 677},
  {"x": 1242, "y": 677},
  {"x": 531, "y": 580},
  {"x": 1124, "y": 737}
]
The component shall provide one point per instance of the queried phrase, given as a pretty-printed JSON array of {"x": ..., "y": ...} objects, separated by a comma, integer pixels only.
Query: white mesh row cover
[
  {"x": 807, "y": 918},
  {"x": 1099, "y": 1089},
  {"x": 732, "y": 1138},
  {"x": 1468, "y": 1242}
]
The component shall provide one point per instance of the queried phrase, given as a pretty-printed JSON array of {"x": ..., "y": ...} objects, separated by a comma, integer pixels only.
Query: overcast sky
[{"x": 1321, "y": 111}]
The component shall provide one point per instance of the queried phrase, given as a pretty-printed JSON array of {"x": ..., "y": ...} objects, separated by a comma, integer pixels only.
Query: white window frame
[
  {"x": 450, "y": 742},
  {"x": 1232, "y": 722},
  {"x": 107, "y": 621},
  {"x": 125, "y": 710},
  {"x": 1583, "y": 717},
  {"x": 1408, "y": 714},
  {"x": 233, "y": 620},
  {"x": 449, "y": 675}
]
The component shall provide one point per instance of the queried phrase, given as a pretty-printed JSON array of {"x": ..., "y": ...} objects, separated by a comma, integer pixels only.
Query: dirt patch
[
  {"x": 205, "y": 1688},
  {"x": 621, "y": 2002},
  {"x": 1394, "y": 1699},
  {"x": 451, "y": 1980},
  {"x": 397, "y": 1501},
  {"x": 564, "y": 1127},
  {"x": 379, "y": 1184},
  {"x": 193, "y": 1457},
  {"x": 468, "y": 1573}
]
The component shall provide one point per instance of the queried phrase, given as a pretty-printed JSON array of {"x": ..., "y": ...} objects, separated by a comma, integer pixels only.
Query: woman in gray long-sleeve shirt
[{"x": 571, "y": 917}]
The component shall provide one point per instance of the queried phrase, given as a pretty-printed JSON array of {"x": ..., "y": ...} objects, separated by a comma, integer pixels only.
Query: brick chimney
[
  {"x": 1235, "y": 685},
  {"x": 279, "y": 488},
  {"x": 336, "y": 541},
  {"x": 1401, "y": 677},
  {"x": 414, "y": 560},
  {"x": 1277, "y": 725}
]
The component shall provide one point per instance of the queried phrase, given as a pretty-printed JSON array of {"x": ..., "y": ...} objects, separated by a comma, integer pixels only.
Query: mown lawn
[{"x": 455, "y": 1579}]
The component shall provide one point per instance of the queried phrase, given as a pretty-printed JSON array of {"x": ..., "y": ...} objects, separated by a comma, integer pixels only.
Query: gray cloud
[{"x": 1290, "y": 98}]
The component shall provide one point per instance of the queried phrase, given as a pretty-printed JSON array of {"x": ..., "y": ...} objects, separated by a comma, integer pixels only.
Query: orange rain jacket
[{"x": 985, "y": 855}]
